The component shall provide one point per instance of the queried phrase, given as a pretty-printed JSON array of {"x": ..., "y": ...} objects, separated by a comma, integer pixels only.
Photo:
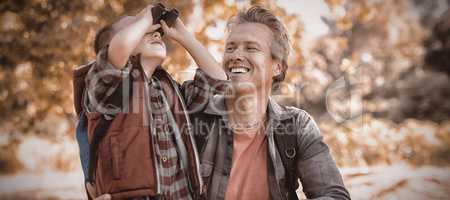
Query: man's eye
[
  {"x": 252, "y": 49},
  {"x": 229, "y": 49}
]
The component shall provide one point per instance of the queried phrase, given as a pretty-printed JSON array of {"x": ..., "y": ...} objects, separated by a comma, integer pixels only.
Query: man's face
[{"x": 247, "y": 59}]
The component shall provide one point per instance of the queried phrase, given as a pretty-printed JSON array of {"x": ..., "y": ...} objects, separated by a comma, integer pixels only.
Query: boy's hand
[
  {"x": 201, "y": 56},
  {"x": 177, "y": 32},
  {"x": 146, "y": 14}
]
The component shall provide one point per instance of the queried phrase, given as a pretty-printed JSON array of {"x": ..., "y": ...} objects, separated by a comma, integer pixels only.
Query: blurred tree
[
  {"x": 42, "y": 41},
  {"x": 438, "y": 45},
  {"x": 372, "y": 60}
]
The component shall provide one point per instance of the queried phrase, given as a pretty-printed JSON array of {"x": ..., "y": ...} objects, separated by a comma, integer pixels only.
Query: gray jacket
[{"x": 316, "y": 169}]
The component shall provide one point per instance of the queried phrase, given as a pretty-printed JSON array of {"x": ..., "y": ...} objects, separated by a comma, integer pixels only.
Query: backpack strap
[
  {"x": 286, "y": 141},
  {"x": 79, "y": 85},
  {"x": 101, "y": 129}
]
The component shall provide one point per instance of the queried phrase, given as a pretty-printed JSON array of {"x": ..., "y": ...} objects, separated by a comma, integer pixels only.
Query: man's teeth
[{"x": 239, "y": 70}]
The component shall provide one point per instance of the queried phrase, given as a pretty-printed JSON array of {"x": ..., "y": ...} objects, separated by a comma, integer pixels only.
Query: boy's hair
[
  {"x": 103, "y": 37},
  {"x": 280, "y": 46}
]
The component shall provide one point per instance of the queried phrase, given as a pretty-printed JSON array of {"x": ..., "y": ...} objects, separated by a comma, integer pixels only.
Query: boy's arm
[
  {"x": 200, "y": 54},
  {"x": 126, "y": 40}
]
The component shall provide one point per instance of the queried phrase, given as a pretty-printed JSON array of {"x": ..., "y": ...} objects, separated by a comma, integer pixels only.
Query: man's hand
[
  {"x": 177, "y": 32},
  {"x": 104, "y": 197},
  {"x": 91, "y": 191}
]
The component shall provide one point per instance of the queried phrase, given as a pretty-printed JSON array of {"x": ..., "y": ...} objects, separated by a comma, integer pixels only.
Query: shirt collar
[{"x": 216, "y": 106}]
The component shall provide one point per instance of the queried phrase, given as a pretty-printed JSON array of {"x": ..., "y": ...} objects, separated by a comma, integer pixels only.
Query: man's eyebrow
[
  {"x": 230, "y": 43},
  {"x": 252, "y": 43}
]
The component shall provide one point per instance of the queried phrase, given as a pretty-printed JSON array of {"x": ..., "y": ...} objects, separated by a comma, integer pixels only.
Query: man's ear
[{"x": 277, "y": 67}]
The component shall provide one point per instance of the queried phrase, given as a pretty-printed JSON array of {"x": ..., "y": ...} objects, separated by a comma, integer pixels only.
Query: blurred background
[{"x": 374, "y": 74}]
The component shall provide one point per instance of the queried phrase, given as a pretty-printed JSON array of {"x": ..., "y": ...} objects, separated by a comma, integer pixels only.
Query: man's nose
[{"x": 237, "y": 55}]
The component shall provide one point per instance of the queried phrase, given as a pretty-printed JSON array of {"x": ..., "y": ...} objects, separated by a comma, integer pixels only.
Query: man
[
  {"x": 148, "y": 149},
  {"x": 245, "y": 137}
]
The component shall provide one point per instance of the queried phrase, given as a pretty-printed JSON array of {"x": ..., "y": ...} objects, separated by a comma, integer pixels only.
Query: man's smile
[{"x": 239, "y": 69}]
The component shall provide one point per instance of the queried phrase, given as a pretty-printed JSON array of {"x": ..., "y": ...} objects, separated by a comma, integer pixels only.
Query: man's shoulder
[
  {"x": 300, "y": 115},
  {"x": 307, "y": 132},
  {"x": 304, "y": 123}
]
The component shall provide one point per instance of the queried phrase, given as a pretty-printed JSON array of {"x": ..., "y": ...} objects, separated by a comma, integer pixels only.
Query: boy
[{"x": 148, "y": 150}]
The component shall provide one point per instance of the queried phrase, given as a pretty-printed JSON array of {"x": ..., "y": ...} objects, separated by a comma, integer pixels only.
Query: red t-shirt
[{"x": 249, "y": 178}]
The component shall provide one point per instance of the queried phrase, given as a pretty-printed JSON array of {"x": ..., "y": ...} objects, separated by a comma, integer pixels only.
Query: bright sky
[{"x": 310, "y": 12}]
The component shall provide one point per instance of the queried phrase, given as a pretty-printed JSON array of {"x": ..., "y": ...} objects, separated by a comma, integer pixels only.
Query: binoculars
[{"x": 160, "y": 12}]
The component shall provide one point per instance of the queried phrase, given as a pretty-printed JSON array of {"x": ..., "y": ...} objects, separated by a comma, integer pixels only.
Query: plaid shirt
[
  {"x": 104, "y": 80},
  {"x": 174, "y": 183}
]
